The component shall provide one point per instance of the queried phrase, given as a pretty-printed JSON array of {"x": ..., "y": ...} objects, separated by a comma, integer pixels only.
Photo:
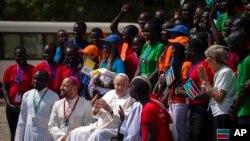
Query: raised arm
[
  {"x": 115, "y": 22},
  {"x": 215, "y": 34}
]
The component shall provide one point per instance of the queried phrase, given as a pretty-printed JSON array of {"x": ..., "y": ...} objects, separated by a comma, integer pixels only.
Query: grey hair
[
  {"x": 145, "y": 80},
  {"x": 217, "y": 52}
]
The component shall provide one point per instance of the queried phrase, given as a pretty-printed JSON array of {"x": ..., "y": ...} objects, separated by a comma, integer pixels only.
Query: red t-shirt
[
  {"x": 232, "y": 61},
  {"x": 61, "y": 73},
  {"x": 131, "y": 64},
  {"x": 10, "y": 78},
  {"x": 193, "y": 74},
  {"x": 50, "y": 69},
  {"x": 153, "y": 113}
]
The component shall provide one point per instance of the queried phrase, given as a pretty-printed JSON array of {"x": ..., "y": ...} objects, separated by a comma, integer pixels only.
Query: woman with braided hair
[{"x": 111, "y": 59}]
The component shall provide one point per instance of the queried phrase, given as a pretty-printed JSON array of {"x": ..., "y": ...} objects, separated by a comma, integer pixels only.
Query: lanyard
[
  {"x": 37, "y": 105},
  {"x": 64, "y": 110},
  {"x": 19, "y": 78},
  {"x": 73, "y": 72},
  {"x": 146, "y": 54},
  {"x": 53, "y": 70}
]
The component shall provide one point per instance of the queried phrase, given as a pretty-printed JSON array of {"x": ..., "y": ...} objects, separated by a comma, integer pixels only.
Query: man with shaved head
[
  {"x": 35, "y": 110},
  {"x": 106, "y": 111}
]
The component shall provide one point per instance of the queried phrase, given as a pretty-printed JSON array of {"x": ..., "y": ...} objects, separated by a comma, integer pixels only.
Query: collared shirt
[
  {"x": 149, "y": 57},
  {"x": 10, "y": 78}
]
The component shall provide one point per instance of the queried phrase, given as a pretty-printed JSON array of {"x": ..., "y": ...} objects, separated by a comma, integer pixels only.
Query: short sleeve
[
  {"x": 6, "y": 76},
  {"x": 159, "y": 49},
  {"x": 120, "y": 67},
  {"x": 222, "y": 80}
]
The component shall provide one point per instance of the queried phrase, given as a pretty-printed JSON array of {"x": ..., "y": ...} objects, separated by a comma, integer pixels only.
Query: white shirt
[{"x": 224, "y": 79}]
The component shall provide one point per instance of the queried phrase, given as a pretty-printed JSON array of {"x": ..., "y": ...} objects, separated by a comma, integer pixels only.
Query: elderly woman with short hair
[{"x": 223, "y": 88}]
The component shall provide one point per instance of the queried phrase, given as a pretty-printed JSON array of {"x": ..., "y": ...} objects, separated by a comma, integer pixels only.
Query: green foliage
[{"x": 86, "y": 10}]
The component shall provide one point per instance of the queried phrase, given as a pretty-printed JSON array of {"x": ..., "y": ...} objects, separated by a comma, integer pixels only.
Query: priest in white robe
[
  {"x": 70, "y": 112},
  {"x": 35, "y": 111},
  {"x": 106, "y": 111}
]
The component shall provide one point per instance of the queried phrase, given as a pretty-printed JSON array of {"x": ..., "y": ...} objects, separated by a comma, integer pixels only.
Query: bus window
[
  {"x": 33, "y": 42},
  {"x": 10, "y": 41}
]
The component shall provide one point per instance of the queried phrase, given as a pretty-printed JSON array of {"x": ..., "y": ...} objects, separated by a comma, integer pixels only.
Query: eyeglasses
[{"x": 210, "y": 57}]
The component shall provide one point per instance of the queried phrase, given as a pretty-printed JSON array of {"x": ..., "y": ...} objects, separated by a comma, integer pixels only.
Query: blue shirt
[
  {"x": 81, "y": 45},
  {"x": 117, "y": 65},
  {"x": 58, "y": 54}
]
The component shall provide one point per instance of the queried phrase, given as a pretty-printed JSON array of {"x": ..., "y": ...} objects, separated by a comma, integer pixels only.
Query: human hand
[
  {"x": 14, "y": 107},
  {"x": 247, "y": 84},
  {"x": 232, "y": 110},
  {"x": 202, "y": 74},
  {"x": 97, "y": 106},
  {"x": 176, "y": 14},
  {"x": 162, "y": 79},
  {"x": 103, "y": 104},
  {"x": 124, "y": 8},
  {"x": 180, "y": 91}
]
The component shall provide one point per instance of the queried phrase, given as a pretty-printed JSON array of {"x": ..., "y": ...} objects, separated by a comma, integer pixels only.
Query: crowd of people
[{"x": 179, "y": 79}]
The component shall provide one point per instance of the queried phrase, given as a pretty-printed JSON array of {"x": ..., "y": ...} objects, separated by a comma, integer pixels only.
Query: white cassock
[
  {"x": 80, "y": 116},
  {"x": 106, "y": 125},
  {"x": 33, "y": 126}
]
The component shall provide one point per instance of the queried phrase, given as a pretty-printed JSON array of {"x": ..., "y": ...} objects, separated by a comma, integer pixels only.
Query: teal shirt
[
  {"x": 243, "y": 71},
  {"x": 149, "y": 58}
]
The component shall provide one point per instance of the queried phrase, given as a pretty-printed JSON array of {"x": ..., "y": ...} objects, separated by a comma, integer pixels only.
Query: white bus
[{"x": 34, "y": 35}]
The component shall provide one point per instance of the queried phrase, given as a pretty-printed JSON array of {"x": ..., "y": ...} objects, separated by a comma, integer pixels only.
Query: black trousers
[
  {"x": 199, "y": 124},
  {"x": 221, "y": 122},
  {"x": 243, "y": 120},
  {"x": 12, "y": 118}
]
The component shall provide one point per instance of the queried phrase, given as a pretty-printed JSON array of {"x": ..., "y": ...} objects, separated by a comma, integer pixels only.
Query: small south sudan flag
[
  {"x": 170, "y": 76},
  {"x": 223, "y": 134},
  {"x": 191, "y": 89}
]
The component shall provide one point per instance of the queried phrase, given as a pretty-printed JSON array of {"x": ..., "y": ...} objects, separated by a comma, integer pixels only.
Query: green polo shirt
[
  {"x": 243, "y": 71},
  {"x": 149, "y": 58}
]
